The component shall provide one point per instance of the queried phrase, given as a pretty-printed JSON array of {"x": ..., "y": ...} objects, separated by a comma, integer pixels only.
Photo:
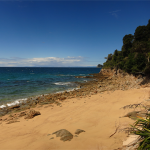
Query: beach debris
[
  {"x": 127, "y": 130},
  {"x": 32, "y": 113},
  {"x": 132, "y": 114},
  {"x": 14, "y": 106},
  {"x": 64, "y": 134},
  {"x": 12, "y": 121},
  {"x": 135, "y": 114},
  {"x": 78, "y": 131},
  {"x": 117, "y": 127},
  {"x": 132, "y": 106}
]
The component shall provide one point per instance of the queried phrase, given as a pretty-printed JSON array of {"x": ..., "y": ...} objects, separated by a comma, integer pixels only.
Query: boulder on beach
[
  {"x": 64, "y": 134},
  {"x": 32, "y": 113}
]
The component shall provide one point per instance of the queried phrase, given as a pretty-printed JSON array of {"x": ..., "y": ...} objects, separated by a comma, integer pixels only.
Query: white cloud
[
  {"x": 42, "y": 62},
  {"x": 114, "y": 13}
]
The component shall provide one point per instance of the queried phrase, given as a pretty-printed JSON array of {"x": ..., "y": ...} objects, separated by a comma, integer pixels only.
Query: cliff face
[
  {"x": 123, "y": 80},
  {"x": 112, "y": 72},
  {"x": 107, "y": 72}
]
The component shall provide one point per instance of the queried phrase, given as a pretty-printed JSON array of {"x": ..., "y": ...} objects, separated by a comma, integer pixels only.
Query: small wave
[
  {"x": 62, "y": 83},
  {"x": 13, "y": 103}
]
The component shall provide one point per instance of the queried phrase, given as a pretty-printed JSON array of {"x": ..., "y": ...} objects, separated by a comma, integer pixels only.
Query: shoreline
[
  {"x": 9, "y": 103},
  {"x": 105, "y": 80},
  {"x": 94, "y": 107},
  {"x": 46, "y": 98},
  {"x": 20, "y": 83},
  {"x": 19, "y": 101}
]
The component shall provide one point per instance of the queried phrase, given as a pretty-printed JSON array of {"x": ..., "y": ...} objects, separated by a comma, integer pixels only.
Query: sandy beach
[{"x": 98, "y": 115}]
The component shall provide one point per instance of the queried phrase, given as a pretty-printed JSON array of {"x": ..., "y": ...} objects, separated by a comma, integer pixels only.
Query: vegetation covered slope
[{"x": 134, "y": 56}]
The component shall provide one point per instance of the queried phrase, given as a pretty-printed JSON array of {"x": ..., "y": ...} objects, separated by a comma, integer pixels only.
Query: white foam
[
  {"x": 18, "y": 101},
  {"x": 62, "y": 83},
  {"x": 14, "y": 102},
  {"x": 72, "y": 89}
]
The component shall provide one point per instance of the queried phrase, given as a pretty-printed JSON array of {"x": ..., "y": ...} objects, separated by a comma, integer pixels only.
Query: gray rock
[
  {"x": 64, "y": 134},
  {"x": 78, "y": 131}
]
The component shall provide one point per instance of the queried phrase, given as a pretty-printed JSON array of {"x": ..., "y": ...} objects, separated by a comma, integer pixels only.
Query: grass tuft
[{"x": 142, "y": 127}]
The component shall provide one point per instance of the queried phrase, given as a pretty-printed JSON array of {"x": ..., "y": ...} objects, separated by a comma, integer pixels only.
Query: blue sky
[{"x": 66, "y": 33}]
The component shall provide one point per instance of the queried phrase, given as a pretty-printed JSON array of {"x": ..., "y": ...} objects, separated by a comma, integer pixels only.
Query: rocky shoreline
[{"x": 106, "y": 80}]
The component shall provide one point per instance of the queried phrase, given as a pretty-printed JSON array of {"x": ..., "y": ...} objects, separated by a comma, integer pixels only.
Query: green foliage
[
  {"x": 147, "y": 69},
  {"x": 109, "y": 57},
  {"x": 142, "y": 127},
  {"x": 116, "y": 52},
  {"x": 127, "y": 44},
  {"x": 135, "y": 53},
  {"x": 141, "y": 33},
  {"x": 141, "y": 47},
  {"x": 129, "y": 63}
]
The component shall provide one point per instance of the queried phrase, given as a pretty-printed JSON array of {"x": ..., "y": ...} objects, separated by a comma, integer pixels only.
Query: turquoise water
[{"x": 23, "y": 82}]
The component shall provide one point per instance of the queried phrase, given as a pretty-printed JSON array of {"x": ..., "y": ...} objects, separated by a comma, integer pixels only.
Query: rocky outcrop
[
  {"x": 107, "y": 72},
  {"x": 113, "y": 72},
  {"x": 32, "y": 113}
]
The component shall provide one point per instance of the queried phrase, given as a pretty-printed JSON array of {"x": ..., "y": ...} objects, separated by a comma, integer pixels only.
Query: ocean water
[{"x": 19, "y": 83}]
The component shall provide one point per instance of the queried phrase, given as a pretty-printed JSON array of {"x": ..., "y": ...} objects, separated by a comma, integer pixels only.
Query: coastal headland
[{"x": 96, "y": 116}]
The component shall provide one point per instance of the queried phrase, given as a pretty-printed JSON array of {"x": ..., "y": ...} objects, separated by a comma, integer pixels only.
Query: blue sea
[{"x": 19, "y": 83}]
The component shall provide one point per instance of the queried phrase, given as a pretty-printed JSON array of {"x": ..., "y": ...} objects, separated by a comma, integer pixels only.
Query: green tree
[
  {"x": 147, "y": 69},
  {"x": 141, "y": 33},
  {"x": 142, "y": 47},
  {"x": 127, "y": 44},
  {"x": 129, "y": 63},
  {"x": 135, "y": 53},
  {"x": 116, "y": 52},
  {"x": 109, "y": 57}
]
